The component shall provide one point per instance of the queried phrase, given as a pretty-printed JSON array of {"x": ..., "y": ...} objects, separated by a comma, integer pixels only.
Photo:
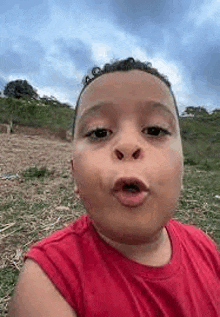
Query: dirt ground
[
  {"x": 49, "y": 205},
  {"x": 21, "y": 227},
  {"x": 19, "y": 152},
  {"x": 32, "y": 147}
]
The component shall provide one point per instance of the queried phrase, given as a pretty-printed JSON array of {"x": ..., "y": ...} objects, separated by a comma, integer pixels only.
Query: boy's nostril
[
  {"x": 136, "y": 154},
  {"x": 119, "y": 154}
]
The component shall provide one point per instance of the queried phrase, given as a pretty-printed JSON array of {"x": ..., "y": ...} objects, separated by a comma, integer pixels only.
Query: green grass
[
  {"x": 35, "y": 113},
  {"x": 201, "y": 141},
  {"x": 198, "y": 204},
  {"x": 28, "y": 215},
  {"x": 9, "y": 276},
  {"x": 35, "y": 172},
  {"x": 45, "y": 201},
  {"x": 36, "y": 216}
]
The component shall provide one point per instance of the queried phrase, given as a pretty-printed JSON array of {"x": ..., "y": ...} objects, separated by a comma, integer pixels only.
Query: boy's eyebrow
[
  {"x": 105, "y": 106},
  {"x": 94, "y": 109}
]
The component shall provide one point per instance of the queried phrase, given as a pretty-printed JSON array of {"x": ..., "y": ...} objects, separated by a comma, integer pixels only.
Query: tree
[
  {"x": 18, "y": 88},
  {"x": 195, "y": 111},
  {"x": 52, "y": 101},
  {"x": 216, "y": 114},
  {"x": 216, "y": 111}
]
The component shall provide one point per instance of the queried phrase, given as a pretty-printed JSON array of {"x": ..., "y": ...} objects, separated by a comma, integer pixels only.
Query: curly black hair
[{"x": 124, "y": 66}]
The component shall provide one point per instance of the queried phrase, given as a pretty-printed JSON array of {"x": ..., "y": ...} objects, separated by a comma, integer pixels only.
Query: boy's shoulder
[
  {"x": 179, "y": 233},
  {"x": 76, "y": 228},
  {"x": 191, "y": 232},
  {"x": 81, "y": 237},
  {"x": 65, "y": 239},
  {"x": 70, "y": 255},
  {"x": 195, "y": 242}
]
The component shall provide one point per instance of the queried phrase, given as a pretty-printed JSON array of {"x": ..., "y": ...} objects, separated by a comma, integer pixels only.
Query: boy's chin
[{"x": 134, "y": 237}]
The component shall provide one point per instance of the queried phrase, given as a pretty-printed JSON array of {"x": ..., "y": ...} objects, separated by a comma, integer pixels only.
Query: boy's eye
[
  {"x": 156, "y": 131},
  {"x": 99, "y": 133}
]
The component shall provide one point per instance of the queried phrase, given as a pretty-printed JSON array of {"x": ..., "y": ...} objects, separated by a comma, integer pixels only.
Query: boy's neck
[{"x": 156, "y": 253}]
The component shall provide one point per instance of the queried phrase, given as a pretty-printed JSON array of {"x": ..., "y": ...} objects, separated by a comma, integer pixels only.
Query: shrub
[{"x": 35, "y": 172}]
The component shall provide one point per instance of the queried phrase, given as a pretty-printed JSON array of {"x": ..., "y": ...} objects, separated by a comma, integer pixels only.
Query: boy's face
[{"x": 128, "y": 173}]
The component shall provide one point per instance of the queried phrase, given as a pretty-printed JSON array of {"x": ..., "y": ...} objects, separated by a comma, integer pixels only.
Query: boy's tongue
[
  {"x": 130, "y": 192},
  {"x": 131, "y": 199}
]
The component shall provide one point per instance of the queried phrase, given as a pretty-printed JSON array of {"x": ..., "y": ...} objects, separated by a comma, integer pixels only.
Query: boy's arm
[{"x": 36, "y": 296}]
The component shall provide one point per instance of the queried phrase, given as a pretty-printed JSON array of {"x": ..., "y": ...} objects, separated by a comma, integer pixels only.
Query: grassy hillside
[
  {"x": 41, "y": 113},
  {"x": 200, "y": 134},
  {"x": 201, "y": 141},
  {"x": 41, "y": 199}
]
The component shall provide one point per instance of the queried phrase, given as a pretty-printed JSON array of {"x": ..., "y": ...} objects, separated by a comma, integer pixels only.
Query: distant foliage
[
  {"x": 195, "y": 111},
  {"x": 31, "y": 112},
  {"x": 216, "y": 112},
  {"x": 19, "y": 88},
  {"x": 201, "y": 140},
  {"x": 52, "y": 101}
]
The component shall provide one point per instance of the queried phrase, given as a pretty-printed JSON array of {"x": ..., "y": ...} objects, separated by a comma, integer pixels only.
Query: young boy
[{"x": 126, "y": 256}]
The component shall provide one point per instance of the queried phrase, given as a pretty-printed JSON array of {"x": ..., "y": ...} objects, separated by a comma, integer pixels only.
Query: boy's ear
[
  {"x": 76, "y": 189},
  {"x": 72, "y": 168}
]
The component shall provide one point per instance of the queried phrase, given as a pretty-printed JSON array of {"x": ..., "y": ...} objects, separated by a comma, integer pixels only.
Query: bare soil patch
[
  {"x": 40, "y": 131},
  {"x": 33, "y": 146},
  {"x": 31, "y": 209}
]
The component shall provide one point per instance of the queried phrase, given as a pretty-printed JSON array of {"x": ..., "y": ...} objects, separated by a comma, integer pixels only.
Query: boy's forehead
[{"x": 136, "y": 86}]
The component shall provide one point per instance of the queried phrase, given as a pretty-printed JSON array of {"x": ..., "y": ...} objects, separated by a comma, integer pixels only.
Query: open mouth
[
  {"x": 129, "y": 184},
  {"x": 131, "y": 188},
  {"x": 130, "y": 191}
]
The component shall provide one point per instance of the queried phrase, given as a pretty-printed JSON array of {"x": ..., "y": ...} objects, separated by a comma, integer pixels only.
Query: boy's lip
[
  {"x": 130, "y": 199},
  {"x": 129, "y": 180}
]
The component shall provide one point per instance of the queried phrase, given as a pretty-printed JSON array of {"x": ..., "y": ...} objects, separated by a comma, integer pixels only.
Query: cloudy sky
[{"x": 52, "y": 43}]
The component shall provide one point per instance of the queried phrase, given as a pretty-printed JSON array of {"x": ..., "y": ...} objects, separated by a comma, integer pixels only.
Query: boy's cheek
[
  {"x": 78, "y": 149},
  {"x": 176, "y": 154},
  {"x": 79, "y": 155},
  {"x": 168, "y": 169},
  {"x": 176, "y": 166}
]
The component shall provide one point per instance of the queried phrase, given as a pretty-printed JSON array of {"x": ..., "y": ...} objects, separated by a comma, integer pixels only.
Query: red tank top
[{"x": 97, "y": 280}]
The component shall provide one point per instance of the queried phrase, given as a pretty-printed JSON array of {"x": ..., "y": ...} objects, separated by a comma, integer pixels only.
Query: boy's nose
[{"x": 127, "y": 152}]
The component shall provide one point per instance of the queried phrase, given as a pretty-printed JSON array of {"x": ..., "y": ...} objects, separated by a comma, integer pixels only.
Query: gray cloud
[
  {"x": 10, "y": 61},
  {"x": 54, "y": 78},
  {"x": 206, "y": 74},
  {"x": 199, "y": 54},
  {"x": 76, "y": 51},
  {"x": 164, "y": 27},
  {"x": 160, "y": 28},
  {"x": 22, "y": 4},
  {"x": 206, "y": 66},
  {"x": 212, "y": 68},
  {"x": 23, "y": 56},
  {"x": 25, "y": 12},
  {"x": 135, "y": 15}
]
